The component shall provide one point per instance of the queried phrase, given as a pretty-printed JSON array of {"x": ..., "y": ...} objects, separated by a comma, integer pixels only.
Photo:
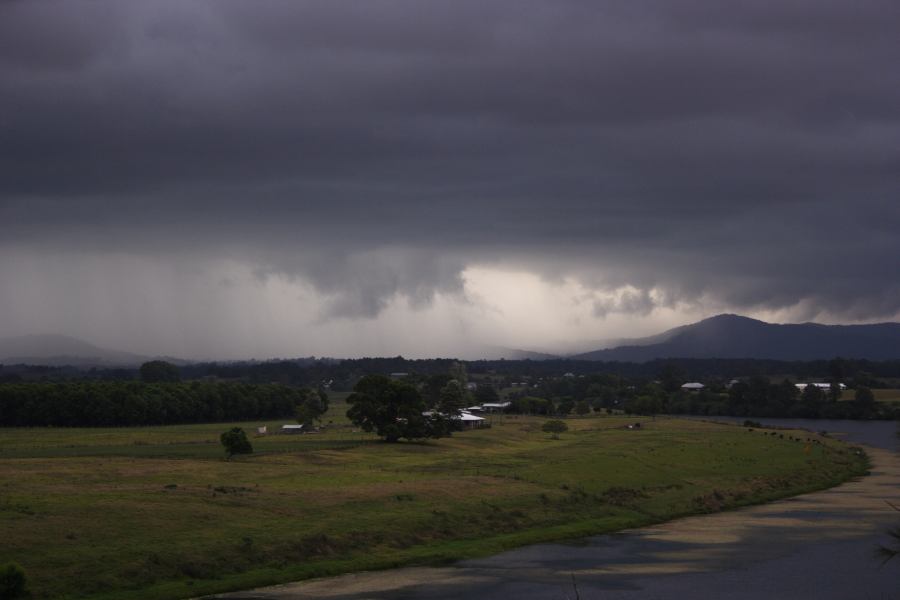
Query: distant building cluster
[
  {"x": 820, "y": 385},
  {"x": 469, "y": 421}
]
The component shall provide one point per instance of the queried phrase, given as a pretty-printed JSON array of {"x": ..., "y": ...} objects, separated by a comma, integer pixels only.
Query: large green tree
[
  {"x": 393, "y": 410},
  {"x": 864, "y": 396},
  {"x": 236, "y": 442},
  {"x": 453, "y": 398},
  {"x": 486, "y": 393},
  {"x": 432, "y": 386},
  {"x": 311, "y": 406},
  {"x": 671, "y": 376}
]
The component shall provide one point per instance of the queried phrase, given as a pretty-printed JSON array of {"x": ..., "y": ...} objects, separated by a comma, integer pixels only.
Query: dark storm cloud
[{"x": 747, "y": 154}]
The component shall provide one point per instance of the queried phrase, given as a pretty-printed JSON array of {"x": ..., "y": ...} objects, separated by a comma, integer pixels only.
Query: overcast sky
[{"x": 231, "y": 179}]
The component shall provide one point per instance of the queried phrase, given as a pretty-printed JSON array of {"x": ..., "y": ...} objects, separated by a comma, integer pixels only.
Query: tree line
[
  {"x": 282, "y": 388},
  {"x": 343, "y": 374},
  {"x": 754, "y": 396},
  {"x": 758, "y": 397},
  {"x": 124, "y": 403}
]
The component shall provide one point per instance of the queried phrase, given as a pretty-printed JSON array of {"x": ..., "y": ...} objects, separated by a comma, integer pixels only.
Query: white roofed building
[
  {"x": 470, "y": 421},
  {"x": 820, "y": 385}
]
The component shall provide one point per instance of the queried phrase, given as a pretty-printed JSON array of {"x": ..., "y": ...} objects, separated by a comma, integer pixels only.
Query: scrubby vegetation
[{"x": 554, "y": 426}]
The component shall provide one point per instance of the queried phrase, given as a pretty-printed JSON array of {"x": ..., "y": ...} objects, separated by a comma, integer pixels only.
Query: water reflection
[{"x": 878, "y": 434}]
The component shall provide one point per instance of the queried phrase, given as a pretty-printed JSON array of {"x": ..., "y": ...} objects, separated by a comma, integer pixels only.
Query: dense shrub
[
  {"x": 13, "y": 582},
  {"x": 555, "y": 427}
]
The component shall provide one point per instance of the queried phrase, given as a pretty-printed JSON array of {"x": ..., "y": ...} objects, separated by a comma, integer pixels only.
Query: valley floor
[{"x": 157, "y": 512}]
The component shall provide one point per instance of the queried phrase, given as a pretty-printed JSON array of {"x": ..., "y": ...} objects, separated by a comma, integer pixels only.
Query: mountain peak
[
  {"x": 736, "y": 336},
  {"x": 729, "y": 318}
]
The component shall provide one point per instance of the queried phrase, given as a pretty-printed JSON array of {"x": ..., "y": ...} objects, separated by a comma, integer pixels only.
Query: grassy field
[
  {"x": 886, "y": 395},
  {"x": 176, "y": 441},
  {"x": 157, "y": 513}
]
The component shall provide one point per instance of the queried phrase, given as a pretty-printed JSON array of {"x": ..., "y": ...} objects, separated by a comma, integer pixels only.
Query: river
[{"x": 817, "y": 546}]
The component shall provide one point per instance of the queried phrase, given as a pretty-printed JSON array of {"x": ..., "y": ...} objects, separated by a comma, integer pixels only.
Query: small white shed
[{"x": 470, "y": 421}]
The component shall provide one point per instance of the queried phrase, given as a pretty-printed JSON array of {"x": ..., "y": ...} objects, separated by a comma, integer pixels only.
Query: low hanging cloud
[
  {"x": 629, "y": 301},
  {"x": 363, "y": 284},
  {"x": 692, "y": 154}
]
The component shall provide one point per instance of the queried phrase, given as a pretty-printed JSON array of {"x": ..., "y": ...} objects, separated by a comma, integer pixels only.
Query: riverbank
[
  {"x": 145, "y": 525},
  {"x": 817, "y": 545}
]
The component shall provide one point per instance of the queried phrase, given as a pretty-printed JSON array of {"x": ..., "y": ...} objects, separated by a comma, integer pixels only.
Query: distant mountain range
[
  {"x": 734, "y": 336},
  {"x": 62, "y": 350},
  {"x": 722, "y": 336},
  {"x": 501, "y": 353}
]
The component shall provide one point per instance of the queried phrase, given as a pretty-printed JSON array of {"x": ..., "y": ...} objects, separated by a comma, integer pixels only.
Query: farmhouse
[
  {"x": 470, "y": 421},
  {"x": 820, "y": 385},
  {"x": 692, "y": 386}
]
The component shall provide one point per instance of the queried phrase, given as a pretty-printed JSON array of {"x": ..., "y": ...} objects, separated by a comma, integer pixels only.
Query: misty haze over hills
[
  {"x": 722, "y": 336},
  {"x": 60, "y": 350}
]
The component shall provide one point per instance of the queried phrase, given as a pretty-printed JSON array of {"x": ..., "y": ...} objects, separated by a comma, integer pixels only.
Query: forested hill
[{"x": 733, "y": 336}]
